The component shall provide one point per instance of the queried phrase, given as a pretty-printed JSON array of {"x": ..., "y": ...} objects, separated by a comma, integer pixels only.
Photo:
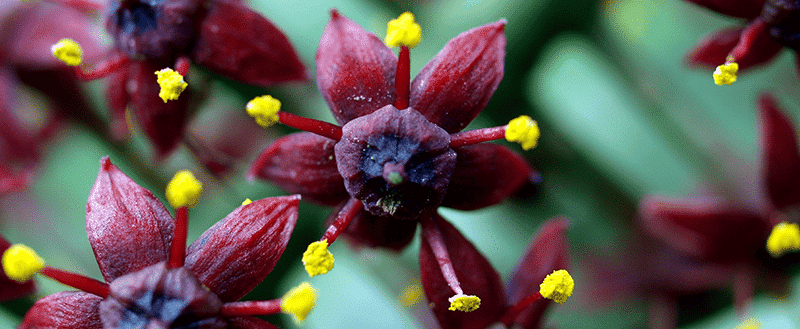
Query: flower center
[
  {"x": 396, "y": 162},
  {"x": 783, "y": 16},
  {"x": 146, "y": 29}
]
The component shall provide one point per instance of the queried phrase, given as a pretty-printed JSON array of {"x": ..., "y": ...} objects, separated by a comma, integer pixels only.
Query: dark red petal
[
  {"x": 735, "y": 8},
  {"x": 302, "y": 163},
  {"x": 477, "y": 277},
  {"x": 372, "y": 231},
  {"x": 17, "y": 141},
  {"x": 238, "y": 252},
  {"x": 548, "y": 251},
  {"x": 249, "y": 323},
  {"x": 756, "y": 46},
  {"x": 456, "y": 84},
  {"x": 237, "y": 42},
  {"x": 66, "y": 309},
  {"x": 780, "y": 158},
  {"x": 485, "y": 174},
  {"x": 355, "y": 70},
  {"x": 12, "y": 289},
  {"x": 712, "y": 50},
  {"x": 117, "y": 98},
  {"x": 162, "y": 122},
  {"x": 128, "y": 227},
  {"x": 705, "y": 228}
]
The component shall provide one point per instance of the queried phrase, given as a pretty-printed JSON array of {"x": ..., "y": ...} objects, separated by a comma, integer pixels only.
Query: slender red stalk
[
  {"x": 471, "y": 137},
  {"x": 182, "y": 65},
  {"x": 82, "y": 5},
  {"x": 321, "y": 128},
  {"x": 103, "y": 69},
  {"x": 432, "y": 234},
  {"x": 177, "y": 253},
  {"x": 76, "y": 281},
  {"x": 260, "y": 307},
  {"x": 402, "y": 82},
  {"x": 343, "y": 219},
  {"x": 516, "y": 309}
]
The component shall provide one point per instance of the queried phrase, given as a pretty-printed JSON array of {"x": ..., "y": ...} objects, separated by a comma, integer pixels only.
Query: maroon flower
[
  {"x": 222, "y": 35},
  {"x": 772, "y": 25},
  {"x": 399, "y": 155},
  {"x": 140, "y": 250},
  {"x": 724, "y": 233}
]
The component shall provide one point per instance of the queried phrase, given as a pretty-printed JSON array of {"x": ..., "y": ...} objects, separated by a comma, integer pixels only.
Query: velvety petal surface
[
  {"x": 485, "y": 174},
  {"x": 780, "y": 158},
  {"x": 237, "y": 42},
  {"x": 128, "y": 227},
  {"x": 368, "y": 230},
  {"x": 457, "y": 84},
  {"x": 476, "y": 274},
  {"x": 355, "y": 70},
  {"x": 705, "y": 228},
  {"x": 735, "y": 8},
  {"x": 302, "y": 163},
  {"x": 238, "y": 252},
  {"x": 249, "y": 323},
  {"x": 12, "y": 289},
  {"x": 66, "y": 309},
  {"x": 548, "y": 251}
]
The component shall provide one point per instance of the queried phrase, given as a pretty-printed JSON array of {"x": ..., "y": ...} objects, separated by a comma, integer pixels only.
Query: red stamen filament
[
  {"x": 321, "y": 128},
  {"x": 402, "y": 80},
  {"x": 182, "y": 65},
  {"x": 76, "y": 281},
  {"x": 103, "y": 69},
  {"x": 82, "y": 5},
  {"x": 260, "y": 307},
  {"x": 477, "y": 136},
  {"x": 343, "y": 219},
  {"x": 516, "y": 309},
  {"x": 177, "y": 253},
  {"x": 431, "y": 234}
]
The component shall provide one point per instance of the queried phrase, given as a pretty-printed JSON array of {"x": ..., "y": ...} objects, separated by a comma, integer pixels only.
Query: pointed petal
[
  {"x": 249, "y": 322},
  {"x": 780, "y": 158},
  {"x": 128, "y": 227},
  {"x": 117, "y": 98},
  {"x": 17, "y": 141},
  {"x": 705, "y": 228},
  {"x": 238, "y": 43},
  {"x": 355, "y": 70},
  {"x": 756, "y": 46},
  {"x": 485, "y": 174},
  {"x": 66, "y": 309},
  {"x": 368, "y": 230},
  {"x": 712, "y": 50},
  {"x": 238, "y": 252},
  {"x": 457, "y": 84},
  {"x": 736, "y": 8},
  {"x": 477, "y": 277},
  {"x": 163, "y": 123},
  {"x": 302, "y": 163},
  {"x": 548, "y": 251},
  {"x": 12, "y": 289}
]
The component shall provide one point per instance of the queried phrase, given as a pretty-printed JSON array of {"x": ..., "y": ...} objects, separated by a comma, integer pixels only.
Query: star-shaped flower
[
  {"x": 399, "y": 154},
  {"x": 151, "y": 278}
]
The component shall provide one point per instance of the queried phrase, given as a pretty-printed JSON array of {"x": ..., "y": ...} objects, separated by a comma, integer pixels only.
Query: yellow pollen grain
[
  {"x": 299, "y": 301},
  {"x": 20, "y": 263},
  {"x": 411, "y": 295},
  {"x": 751, "y": 323},
  {"x": 725, "y": 74},
  {"x": 68, "y": 51},
  {"x": 784, "y": 238},
  {"x": 557, "y": 286},
  {"x": 247, "y": 202},
  {"x": 403, "y": 31},
  {"x": 184, "y": 190},
  {"x": 523, "y": 130},
  {"x": 317, "y": 259},
  {"x": 464, "y": 303},
  {"x": 171, "y": 83},
  {"x": 264, "y": 109}
]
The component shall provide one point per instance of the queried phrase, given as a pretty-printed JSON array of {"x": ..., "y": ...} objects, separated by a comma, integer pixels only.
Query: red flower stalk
[
  {"x": 772, "y": 25},
  {"x": 222, "y": 35},
  {"x": 722, "y": 233},
  {"x": 399, "y": 154},
  {"x": 149, "y": 282}
]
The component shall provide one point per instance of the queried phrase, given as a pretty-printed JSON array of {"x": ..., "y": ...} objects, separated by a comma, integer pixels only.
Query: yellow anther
[
  {"x": 523, "y": 130},
  {"x": 171, "y": 83},
  {"x": 751, "y": 323},
  {"x": 299, "y": 301},
  {"x": 184, "y": 190},
  {"x": 317, "y": 259},
  {"x": 785, "y": 237},
  {"x": 557, "y": 286},
  {"x": 67, "y": 51},
  {"x": 20, "y": 263},
  {"x": 403, "y": 31},
  {"x": 464, "y": 303},
  {"x": 264, "y": 109},
  {"x": 725, "y": 74},
  {"x": 247, "y": 202},
  {"x": 411, "y": 295}
]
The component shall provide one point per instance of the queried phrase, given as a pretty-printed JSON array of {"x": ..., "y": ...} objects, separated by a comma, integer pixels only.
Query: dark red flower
[
  {"x": 772, "y": 24},
  {"x": 140, "y": 250},
  {"x": 725, "y": 233},
  {"x": 399, "y": 154}
]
